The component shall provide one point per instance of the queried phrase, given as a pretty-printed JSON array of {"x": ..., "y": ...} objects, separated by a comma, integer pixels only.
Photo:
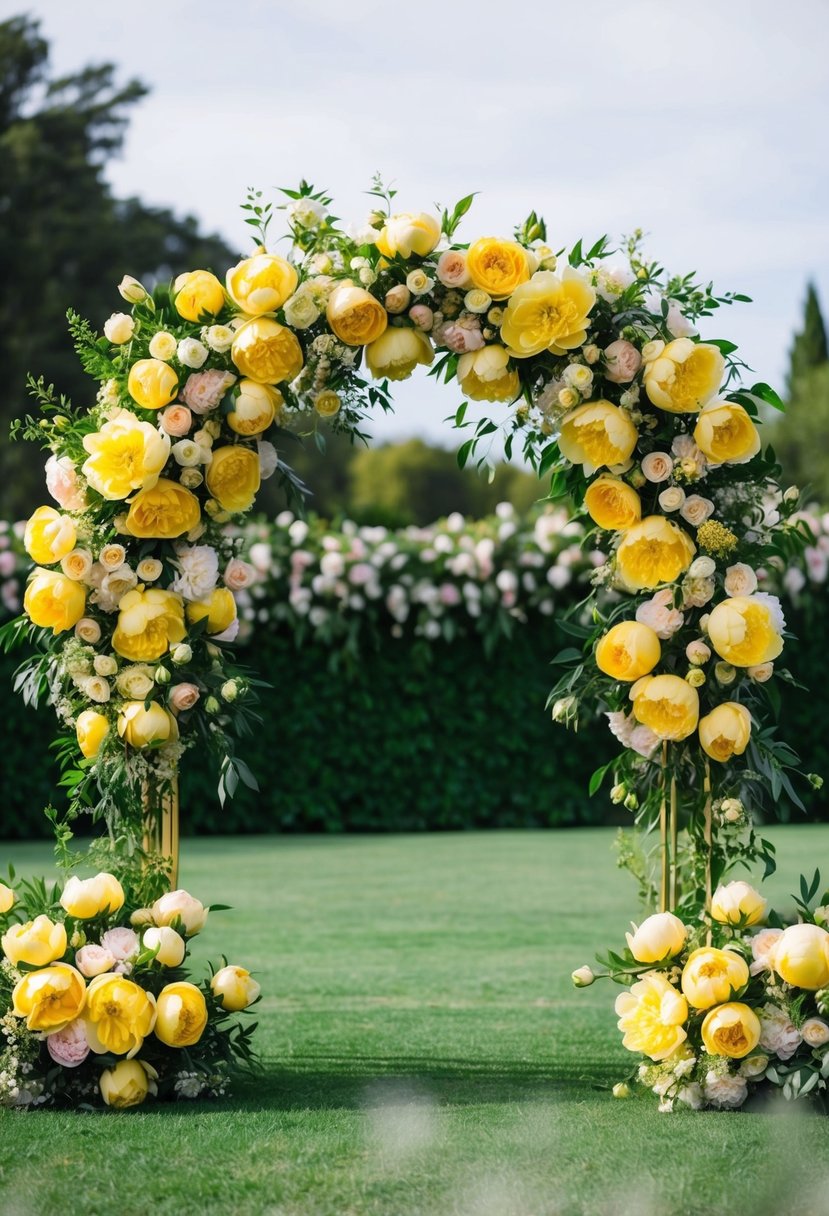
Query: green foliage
[{"x": 809, "y": 349}]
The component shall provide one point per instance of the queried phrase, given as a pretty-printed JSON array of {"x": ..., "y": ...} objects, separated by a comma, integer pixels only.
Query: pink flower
[
  {"x": 422, "y": 316},
  {"x": 64, "y": 485},
  {"x": 461, "y": 338},
  {"x": 176, "y": 420},
  {"x": 93, "y": 960},
  {"x": 622, "y": 362},
  {"x": 183, "y": 697},
  {"x": 660, "y": 614},
  {"x": 239, "y": 574},
  {"x": 230, "y": 634},
  {"x": 449, "y": 595},
  {"x": 451, "y": 269},
  {"x": 69, "y": 1047},
  {"x": 657, "y": 466},
  {"x": 122, "y": 943},
  {"x": 360, "y": 574},
  {"x": 8, "y": 563},
  {"x": 204, "y": 390}
]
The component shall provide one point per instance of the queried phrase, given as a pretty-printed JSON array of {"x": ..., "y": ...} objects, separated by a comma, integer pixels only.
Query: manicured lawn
[{"x": 424, "y": 1051}]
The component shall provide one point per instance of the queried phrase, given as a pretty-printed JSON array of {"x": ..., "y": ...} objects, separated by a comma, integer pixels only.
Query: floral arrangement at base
[{"x": 97, "y": 1005}]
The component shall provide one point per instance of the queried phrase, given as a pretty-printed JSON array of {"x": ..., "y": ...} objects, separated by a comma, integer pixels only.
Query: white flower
[
  {"x": 300, "y": 309},
  {"x": 677, "y": 323},
  {"x": 477, "y": 300},
  {"x": 191, "y": 352},
  {"x": 579, "y": 377},
  {"x": 97, "y": 689},
  {"x": 725, "y": 1090},
  {"x": 815, "y": 1032},
  {"x": 218, "y": 337},
  {"x": 135, "y": 682},
  {"x": 740, "y": 579},
  {"x": 198, "y": 571},
  {"x": 692, "y": 1096},
  {"x": 306, "y": 213},
  {"x": 672, "y": 498},
  {"x": 657, "y": 466},
  {"x": 268, "y": 458},
  {"x": 611, "y": 281},
  {"x": 119, "y": 328},
  {"x": 659, "y": 613},
  {"x": 163, "y": 345},
  {"x": 695, "y": 510},
  {"x": 187, "y": 453},
  {"x": 419, "y": 283},
  {"x": 105, "y": 665},
  {"x": 702, "y": 567},
  {"x": 794, "y": 580},
  {"x": 778, "y": 1034},
  {"x": 149, "y": 569},
  {"x": 131, "y": 290}
]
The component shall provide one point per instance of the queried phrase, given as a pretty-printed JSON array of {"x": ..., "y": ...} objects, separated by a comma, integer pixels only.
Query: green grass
[{"x": 424, "y": 1051}]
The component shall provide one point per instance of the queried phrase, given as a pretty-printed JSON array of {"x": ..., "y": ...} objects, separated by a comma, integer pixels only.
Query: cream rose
[{"x": 657, "y": 466}]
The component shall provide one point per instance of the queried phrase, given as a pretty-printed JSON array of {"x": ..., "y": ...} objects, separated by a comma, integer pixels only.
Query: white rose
[
  {"x": 88, "y": 631},
  {"x": 77, "y": 564},
  {"x": 657, "y": 466},
  {"x": 187, "y": 453},
  {"x": 163, "y": 346},
  {"x": 419, "y": 283},
  {"x": 191, "y": 352},
  {"x": 760, "y": 672},
  {"x": 300, "y": 310},
  {"x": 695, "y": 510},
  {"x": 702, "y": 567},
  {"x": 136, "y": 682},
  {"x": 725, "y": 1090},
  {"x": 579, "y": 377},
  {"x": 218, "y": 337},
  {"x": 672, "y": 498},
  {"x": 677, "y": 323},
  {"x": 149, "y": 569},
  {"x": 119, "y": 328},
  {"x": 105, "y": 665},
  {"x": 96, "y": 689},
  {"x": 659, "y": 613},
  {"x": 815, "y": 1032},
  {"x": 778, "y": 1034},
  {"x": 198, "y": 571},
  {"x": 740, "y": 579},
  {"x": 477, "y": 301}
]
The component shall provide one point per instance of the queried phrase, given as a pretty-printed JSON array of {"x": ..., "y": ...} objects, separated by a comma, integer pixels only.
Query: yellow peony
[
  {"x": 397, "y": 352},
  {"x": 49, "y": 999},
  {"x": 726, "y": 434},
  {"x": 712, "y": 976},
  {"x": 612, "y": 504},
  {"x": 142, "y": 724},
  {"x": 800, "y": 956},
  {"x": 731, "y": 1030},
  {"x": 234, "y": 477},
  {"x": 119, "y": 1015},
  {"x": 652, "y": 1016},
  {"x": 254, "y": 408},
  {"x": 37, "y": 942},
  {"x": 658, "y": 937},
  {"x": 485, "y": 375},
  {"x": 54, "y": 601},
  {"x": 654, "y": 551},
  {"x": 197, "y": 294},
  {"x": 152, "y": 384},
  {"x": 497, "y": 267},
  {"x": 6, "y": 899},
  {"x": 91, "y": 729},
  {"x": 265, "y": 351},
  {"x": 744, "y": 632},
  {"x": 684, "y": 376},
  {"x": 182, "y": 1015},
  {"x": 126, "y": 1084},
  {"x": 405, "y": 234},
  {"x": 85, "y": 898},
  {"x": 547, "y": 313},
  {"x": 628, "y": 651},
  {"x": 219, "y": 609},
  {"x": 125, "y": 455},
  {"x": 234, "y": 988},
  {"x": 597, "y": 433},
  {"x": 355, "y": 316},
  {"x": 725, "y": 732},
  {"x": 165, "y": 511},
  {"x": 667, "y": 704},
  {"x": 49, "y": 536},
  {"x": 737, "y": 903},
  {"x": 149, "y": 622},
  {"x": 262, "y": 283}
]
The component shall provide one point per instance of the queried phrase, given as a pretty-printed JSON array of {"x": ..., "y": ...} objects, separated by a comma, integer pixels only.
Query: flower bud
[
  {"x": 230, "y": 690},
  {"x": 725, "y": 673},
  {"x": 131, "y": 290},
  {"x": 583, "y": 977},
  {"x": 162, "y": 675},
  {"x": 211, "y": 705},
  {"x": 631, "y": 802},
  {"x": 621, "y": 1090},
  {"x": 181, "y": 654},
  {"x": 617, "y": 794}
]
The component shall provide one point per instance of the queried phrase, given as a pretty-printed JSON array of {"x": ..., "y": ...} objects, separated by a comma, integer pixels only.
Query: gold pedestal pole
[{"x": 161, "y": 823}]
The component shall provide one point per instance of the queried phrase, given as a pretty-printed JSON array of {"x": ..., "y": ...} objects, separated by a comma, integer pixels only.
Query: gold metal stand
[
  {"x": 663, "y": 835},
  {"x": 709, "y": 840},
  {"x": 161, "y": 823}
]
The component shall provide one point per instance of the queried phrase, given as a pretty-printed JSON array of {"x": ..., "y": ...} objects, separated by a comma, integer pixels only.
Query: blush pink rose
[
  {"x": 659, "y": 613},
  {"x": 239, "y": 574},
  {"x": 64, "y": 484},
  {"x": 461, "y": 338},
  {"x": 204, "y": 390},
  {"x": 122, "y": 943},
  {"x": 422, "y": 316},
  {"x": 176, "y": 420},
  {"x": 622, "y": 362},
  {"x": 451, "y": 269},
  {"x": 69, "y": 1047},
  {"x": 183, "y": 697},
  {"x": 93, "y": 960}
]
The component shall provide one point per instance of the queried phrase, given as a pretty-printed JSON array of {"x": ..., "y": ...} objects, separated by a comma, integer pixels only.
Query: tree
[
  {"x": 64, "y": 239},
  {"x": 809, "y": 349},
  {"x": 799, "y": 437}
]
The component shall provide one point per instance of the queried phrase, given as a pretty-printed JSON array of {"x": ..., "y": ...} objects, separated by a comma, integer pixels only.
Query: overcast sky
[{"x": 704, "y": 124}]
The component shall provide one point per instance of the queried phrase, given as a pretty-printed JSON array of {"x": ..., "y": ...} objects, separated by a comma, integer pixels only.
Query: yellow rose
[
  {"x": 737, "y": 903},
  {"x": 654, "y": 551},
  {"x": 152, "y": 384},
  {"x": 85, "y": 898},
  {"x": 265, "y": 351},
  {"x": 49, "y": 536},
  {"x": 197, "y": 294},
  {"x": 547, "y": 313},
  {"x": 651, "y": 1016},
  {"x": 6, "y": 899},
  {"x": 261, "y": 284},
  {"x": 180, "y": 907},
  {"x": 725, "y": 732},
  {"x": 219, "y": 609},
  {"x": 182, "y": 1015},
  {"x": 54, "y": 601},
  {"x": 91, "y": 729},
  {"x": 141, "y": 724},
  {"x": 497, "y": 267},
  {"x": 168, "y": 944},
  {"x": 37, "y": 942},
  {"x": 355, "y": 316},
  {"x": 684, "y": 376},
  {"x": 612, "y": 504},
  {"x": 124, "y": 456},
  {"x": 485, "y": 375},
  {"x": 731, "y": 1030},
  {"x": 234, "y": 989},
  {"x": 800, "y": 956},
  {"x": 743, "y": 631},
  {"x": 658, "y": 937},
  {"x": 234, "y": 477},
  {"x": 597, "y": 433},
  {"x": 726, "y": 434},
  {"x": 327, "y": 403},
  {"x": 667, "y": 704},
  {"x": 126, "y": 1084},
  {"x": 165, "y": 511},
  {"x": 254, "y": 408},
  {"x": 397, "y": 352},
  {"x": 712, "y": 976},
  {"x": 406, "y": 233},
  {"x": 119, "y": 1015},
  {"x": 49, "y": 999},
  {"x": 149, "y": 622},
  {"x": 628, "y": 651}
]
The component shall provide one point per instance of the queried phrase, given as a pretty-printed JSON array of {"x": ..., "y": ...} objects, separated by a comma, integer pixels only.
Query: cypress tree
[{"x": 809, "y": 349}]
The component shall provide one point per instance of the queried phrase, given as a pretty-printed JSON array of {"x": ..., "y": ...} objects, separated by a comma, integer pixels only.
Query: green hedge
[{"x": 415, "y": 736}]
